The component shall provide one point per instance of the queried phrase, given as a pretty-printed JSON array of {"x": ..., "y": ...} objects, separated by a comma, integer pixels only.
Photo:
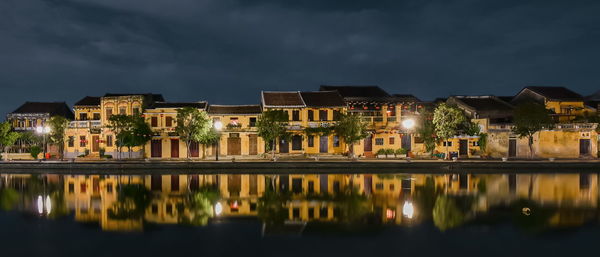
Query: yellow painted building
[
  {"x": 165, "y": 143},
  {"x": 239, "y": 133},
  {"x": 564, "y": 104},
  {"x": 88, "y": 134}
]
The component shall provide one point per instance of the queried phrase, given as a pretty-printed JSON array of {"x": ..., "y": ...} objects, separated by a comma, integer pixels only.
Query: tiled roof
[
  {"x": 153, "y": 97},
  {"x": 52, "y": 108},
  {"x": 322, "y": 99},
  {"x": 485, "y": 106},
  {"x": 89, "y": 101},
  {"x": 199, "y": 105},
  {"x": 356, "y": 91},
  {"x": 234, "y": 109},
  {"x": 556, "y": 93},
  {"x": 407, "y": 97},
  {"x": 282, "y": 99}
]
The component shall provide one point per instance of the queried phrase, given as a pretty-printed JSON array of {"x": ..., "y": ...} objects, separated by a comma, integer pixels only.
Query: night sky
[{"x": 226, "y": 51}]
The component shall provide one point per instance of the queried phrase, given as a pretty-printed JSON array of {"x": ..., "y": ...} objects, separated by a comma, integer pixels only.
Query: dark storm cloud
[{"x": 226, "y": 51}]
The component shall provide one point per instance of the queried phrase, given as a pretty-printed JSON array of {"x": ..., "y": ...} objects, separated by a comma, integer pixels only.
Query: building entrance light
[{"x": 408, "y": 123}]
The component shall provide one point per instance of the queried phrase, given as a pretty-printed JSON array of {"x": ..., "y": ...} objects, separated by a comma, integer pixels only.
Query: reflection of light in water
[
  {"x": 40, "y": 204},
  {"x": 48, "y": 205},
  {"x": 408, "y": 210},
  {"x": 218, "y": 209},
  {"x": 390, "y": 214}
]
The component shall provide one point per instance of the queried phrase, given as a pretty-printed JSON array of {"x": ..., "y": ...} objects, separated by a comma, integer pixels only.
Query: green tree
[
  {"x": 58, "y": 126},
  {"x": 7, "y": 137},
  {"x": 192, "y": 124},
  {"x": 529, "y": 118},
  {"x": 447, "y": 120},
  {"x": 131, "y": 203},
  {"x": 209, "y": 138},
  {"x": 351, "y": 129},
  {"x": 137, "y": 134},
  {"x": 447, "y": 214},
  {"x": 120, "y": 125},
  {"x": 272, "y": 125},
  {"x": 426, "y": 131}
]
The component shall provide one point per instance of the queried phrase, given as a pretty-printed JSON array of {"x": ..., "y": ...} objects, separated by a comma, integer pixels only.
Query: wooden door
[
  {"x": 194, "y": 149},
  {"x": 234, "y": 146},
  {"x": 156, "y": 148},
  {"x": 406, "y": 142},
  {"x": 463, "y": 148},
  {"x": 253, "y": 144},
  {"x": 174, "y": 148},
  {"x": 584, "y": 147},
  {"x": 95, "y": 143},
  {"x": 368, "y": 143},
  {"x": 323, "y": 144},
  {"x": 512, "y": 147},
  {"x": 284, "y": 146}
]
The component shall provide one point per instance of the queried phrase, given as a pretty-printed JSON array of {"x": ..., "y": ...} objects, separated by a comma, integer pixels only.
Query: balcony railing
[
  {"x": 324, "y": 124},
  {"x": 576, "y": 126},
  {"x": 85, "y": 124},
  {"x": 391, "y": 119}
]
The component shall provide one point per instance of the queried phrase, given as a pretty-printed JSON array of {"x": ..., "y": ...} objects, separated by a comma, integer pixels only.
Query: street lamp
[
  {"x": 408, "y": 123},
  {"x": 43, "y": 130},
  {"x": 408, "y": 210},
  {"x": 218, "y": 126}
]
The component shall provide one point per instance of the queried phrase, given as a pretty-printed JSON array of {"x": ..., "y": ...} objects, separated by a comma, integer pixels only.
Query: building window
[
  {"x": 392, "y": 140},
  {"x": 378, "y": 141},
  {"x": 447, "y": 143},
  {"x": 391, "y": 111},
  {"x": 123, "y": 110},
  {"x": 297, "y": 142},
  {"x": 233, "y": 121},
  {"x": 169, "y": 121},
  {"x": 136, "y": 111},
  {"x": 323, "y": 115},
  {"x": 108, "y": 113},
  {"x": 336, "y": 141},
  {"x": 71, "y": 141},
  {"x": 311, "y": 115},
  {"x": 81, "y": 141},
  {"x": 109, "y": 140},
  {"x": 252, "y": 122},
  {"x": 336, "y": 114},
  {"x": 311, "y": 141},
  {"x": 475, "y": 143},
  {"x": 154, "y": 122},
  {"x": 83, "y": 116},
  {"x": 295, "y": 115},
  {"x": 96, "y": 116}
]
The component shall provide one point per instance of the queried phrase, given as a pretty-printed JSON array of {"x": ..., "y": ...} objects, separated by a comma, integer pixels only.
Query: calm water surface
[{"x": 545, "y": 214}]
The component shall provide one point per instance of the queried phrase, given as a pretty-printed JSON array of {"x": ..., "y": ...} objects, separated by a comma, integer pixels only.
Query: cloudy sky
[{"x": 226, "y": 51}]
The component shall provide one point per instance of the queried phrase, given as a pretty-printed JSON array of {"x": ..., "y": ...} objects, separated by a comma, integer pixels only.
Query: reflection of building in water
[{"x": 304, "y": 198}]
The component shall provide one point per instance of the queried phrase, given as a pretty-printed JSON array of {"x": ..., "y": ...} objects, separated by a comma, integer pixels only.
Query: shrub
[
  {"x": 389, "y": 152},
  {"x": 102, "y": 151},
  {"x": 86, "y": 152},
  {"x": 381, "y": 152},
  {"x": 35, "y": 151},
  {"x": 400, "y": 151}
]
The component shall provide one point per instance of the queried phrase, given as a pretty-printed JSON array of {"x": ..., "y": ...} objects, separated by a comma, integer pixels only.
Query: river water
[{"x": 359, "y": 214}]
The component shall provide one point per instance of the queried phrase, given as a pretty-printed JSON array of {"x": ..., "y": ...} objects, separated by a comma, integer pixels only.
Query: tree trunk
[
  {"x": 447, "y": 151},
  {"x": 530, "y": 142},
  {"x": 351, "y": 150},
  {"x": 187, "y": 145},
  {"x": 203, "y": 151},
  {"x": 273, "y": 150}
]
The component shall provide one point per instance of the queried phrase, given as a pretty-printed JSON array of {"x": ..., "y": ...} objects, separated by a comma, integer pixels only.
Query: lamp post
[
  {"x": 218, "y": 126},
  {"x": 43, "y": 130}
]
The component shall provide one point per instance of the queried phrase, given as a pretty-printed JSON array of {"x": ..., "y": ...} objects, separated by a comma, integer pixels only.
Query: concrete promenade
[{"x": 302, "y": 166}]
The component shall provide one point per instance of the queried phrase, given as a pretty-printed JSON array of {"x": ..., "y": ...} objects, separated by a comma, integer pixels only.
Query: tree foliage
[
  {"x": 447, "y": 120},
  {"x": 130, "y": 131},
  {"x": 7, "y": 137},
  {"x": 209, "y": 138},
  {"x": 58, "y": 127},
  {"x": 192, "y": 125},
  {"x": 426, "y": 130},
  {"x": 351, "y": 129},
  {"x": 530, "y": 118},
  {"x": 272, "y": 125},
  {"x": 119, "y": 124}
]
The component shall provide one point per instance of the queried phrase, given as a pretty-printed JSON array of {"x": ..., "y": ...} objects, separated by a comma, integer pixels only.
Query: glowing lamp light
[
  {"x": 408, "y": 123},
  {"x": 218, "y": 125},
  {"x": 408, "y": 210},
  {"x": 218, "y": 209},
  {"x": 40, "y": 204},
  {"x": 390, "y": 214},
  {"x": 48, "y": 205},
  {"x": 42, "y": 130}
]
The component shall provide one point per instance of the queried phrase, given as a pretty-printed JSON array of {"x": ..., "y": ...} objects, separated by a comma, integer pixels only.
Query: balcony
[
  {"x": 576, "y": 126},
  {"x": 85, "y": 124},
  {"x": 317, "y": 124}
]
